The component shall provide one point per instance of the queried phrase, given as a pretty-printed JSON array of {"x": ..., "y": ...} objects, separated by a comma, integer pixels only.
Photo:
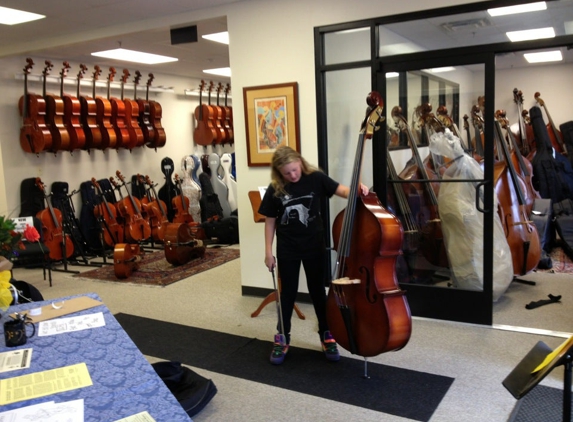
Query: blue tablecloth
[{"x": 124, "y": 383}]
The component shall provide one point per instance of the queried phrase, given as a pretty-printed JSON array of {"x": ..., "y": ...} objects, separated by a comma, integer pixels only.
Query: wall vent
[{"x": 465, "y": 25}]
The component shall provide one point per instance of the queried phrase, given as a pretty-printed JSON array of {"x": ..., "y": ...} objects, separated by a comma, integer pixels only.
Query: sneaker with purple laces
[
  {"x": 329, "y": 347},
  {"x": 280, "y": 349}
]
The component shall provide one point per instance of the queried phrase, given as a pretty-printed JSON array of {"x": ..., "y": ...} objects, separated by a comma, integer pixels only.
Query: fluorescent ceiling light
[
  {"x": 520, "y": 8},
  {"x": 222, "y": 37},
  {"x": 544, "y": 56},
  {"x": 12, "y": 16},
  {"x": 392, "y": 74},
  {"x": 134, "y": 56},
  {"x": 531, "y": 34},
  {"x": 352, "y": 31},
  {"x": 222, "y": 71},
  {"x": 442, "y": 69}
]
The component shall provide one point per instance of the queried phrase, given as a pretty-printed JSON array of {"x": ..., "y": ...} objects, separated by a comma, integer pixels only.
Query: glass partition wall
[{"x": 429, "y": 81}]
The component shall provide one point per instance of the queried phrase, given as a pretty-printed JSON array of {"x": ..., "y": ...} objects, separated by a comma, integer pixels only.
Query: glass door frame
[
  {"x": 425, "y": 300},
  {"x": 447, "y": 304}
]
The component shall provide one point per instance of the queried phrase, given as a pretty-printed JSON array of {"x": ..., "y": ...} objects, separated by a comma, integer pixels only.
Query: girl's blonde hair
[{"x": 285, "y": 155}]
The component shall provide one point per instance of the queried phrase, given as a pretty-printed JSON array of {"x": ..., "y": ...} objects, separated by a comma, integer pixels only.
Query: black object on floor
[
  {"x": 540, "y": 404},
  {"x": 538, "y": 303},
  {"x": 192, "y": 391},
  {"x": 397, "y": 391}
]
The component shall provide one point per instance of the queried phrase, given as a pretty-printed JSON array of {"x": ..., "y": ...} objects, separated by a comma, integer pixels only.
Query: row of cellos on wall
[
  {"x": 416, "y": 203},
  {"x": 66, "y": 122},
  {"x": 213, "y": 121}
]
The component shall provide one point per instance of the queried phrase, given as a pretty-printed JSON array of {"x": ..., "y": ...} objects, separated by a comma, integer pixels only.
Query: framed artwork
[{"x": 271, "y": 119}]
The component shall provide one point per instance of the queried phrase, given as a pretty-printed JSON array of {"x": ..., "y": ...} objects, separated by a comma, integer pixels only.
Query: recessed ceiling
[
  {"x": 68, "y": 33},
  {"x": 479, "y": 28}
]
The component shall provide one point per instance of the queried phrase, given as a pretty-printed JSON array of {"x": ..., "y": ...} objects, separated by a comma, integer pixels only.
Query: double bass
[
  {"x": 554, "y": 134},
  {"x": 520, "y": 231},
  {"x": 367, "y": 312},
  {"x": 432, "y": 241},
  {"x": 525, "y": 133}
]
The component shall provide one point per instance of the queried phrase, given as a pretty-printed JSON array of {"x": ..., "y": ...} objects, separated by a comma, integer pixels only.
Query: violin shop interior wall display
[{"x": 456, "y": 87}]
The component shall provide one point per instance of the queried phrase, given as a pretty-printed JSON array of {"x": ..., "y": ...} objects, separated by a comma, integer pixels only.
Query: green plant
[{"x": 10, "y": 240}]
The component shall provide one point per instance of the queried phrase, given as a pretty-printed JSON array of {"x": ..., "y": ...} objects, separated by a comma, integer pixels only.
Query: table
[{"x": 124, "y": 383}]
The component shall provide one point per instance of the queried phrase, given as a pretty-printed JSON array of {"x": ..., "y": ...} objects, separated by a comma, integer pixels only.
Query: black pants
[{"x": 315, "y": 271}]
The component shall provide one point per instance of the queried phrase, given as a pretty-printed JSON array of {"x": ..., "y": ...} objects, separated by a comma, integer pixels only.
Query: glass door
[{"x": 441, "y": 189}]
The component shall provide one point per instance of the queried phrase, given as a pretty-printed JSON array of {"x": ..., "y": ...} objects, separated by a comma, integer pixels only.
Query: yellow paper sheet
[
  {"x": 40, "y": 384},
  {"x": 549, "y": 358}
]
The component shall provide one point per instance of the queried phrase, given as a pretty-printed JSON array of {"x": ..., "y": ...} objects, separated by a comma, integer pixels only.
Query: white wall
[{"x": 273, "y": 42}]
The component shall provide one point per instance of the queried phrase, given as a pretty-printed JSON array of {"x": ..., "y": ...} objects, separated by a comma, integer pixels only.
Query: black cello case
[
  {"x": 567, "y": 133},
  {"x": 553, "y": 179},
  {"x": 552, "y": 172}
]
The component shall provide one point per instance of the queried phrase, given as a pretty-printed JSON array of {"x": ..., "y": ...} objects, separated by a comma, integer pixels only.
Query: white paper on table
[
  {"x": 69, "y": 411},
  {"x": 140, "y": 417},
  {"x": 15, "y": 359},
  {"x": 69, "y": 324}
]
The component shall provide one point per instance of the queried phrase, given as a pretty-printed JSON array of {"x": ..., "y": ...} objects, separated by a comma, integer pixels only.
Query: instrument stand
[
  {"x": 64, "y": 259},
  {"x": 522, "y": 379},
  {"x": 519, "y": 280},
  {"x": 255, "y": 198},
  {"x": 104, "y": 253}
]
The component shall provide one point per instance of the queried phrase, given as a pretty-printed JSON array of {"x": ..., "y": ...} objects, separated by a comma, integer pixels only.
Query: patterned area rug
[
  {"x": 155, "y": 270},
  {"x": 561, "y": 262}
]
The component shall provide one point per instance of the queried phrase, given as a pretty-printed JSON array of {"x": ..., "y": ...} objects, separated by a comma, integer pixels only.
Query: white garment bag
[{"x": 462, "y": 223}]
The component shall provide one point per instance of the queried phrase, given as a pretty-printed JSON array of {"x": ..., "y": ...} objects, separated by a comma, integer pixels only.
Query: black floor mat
[{"x": 401, "y": 392}]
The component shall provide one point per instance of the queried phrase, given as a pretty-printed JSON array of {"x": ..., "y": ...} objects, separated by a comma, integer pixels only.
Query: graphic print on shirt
[{"x": 297, "y": 209}]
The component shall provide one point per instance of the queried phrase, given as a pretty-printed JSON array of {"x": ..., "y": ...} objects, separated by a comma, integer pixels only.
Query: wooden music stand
[{"x": 255, "y": 198}]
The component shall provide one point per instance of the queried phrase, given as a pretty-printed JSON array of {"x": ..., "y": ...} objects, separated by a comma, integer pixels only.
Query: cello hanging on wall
[
  {"x": 35, "y": 136},
  {"x": 367, "y": 312}
]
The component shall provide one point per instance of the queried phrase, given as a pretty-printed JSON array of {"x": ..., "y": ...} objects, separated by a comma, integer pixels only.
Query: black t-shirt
[{"x": 299, "y": 226}]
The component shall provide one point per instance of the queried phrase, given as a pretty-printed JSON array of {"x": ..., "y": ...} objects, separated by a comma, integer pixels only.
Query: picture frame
[{"x": 271, "y": 120}]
